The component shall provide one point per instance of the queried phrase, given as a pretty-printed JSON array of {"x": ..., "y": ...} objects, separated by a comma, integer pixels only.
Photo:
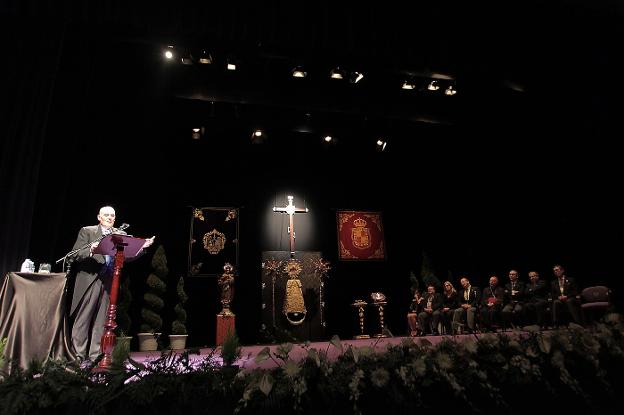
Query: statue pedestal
[{"x": 225, "y": 324}]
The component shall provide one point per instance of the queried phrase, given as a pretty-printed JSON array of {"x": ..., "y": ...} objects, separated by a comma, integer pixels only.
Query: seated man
[
  {"x": 412, "y": 315},
  {"x": 564, "y": 291},
  {"x": 491, "y": 304},
  {"x": 513, "y": 300},
  {"x": 468, "y": 301},
  {"x": 536, "y": 295},
  {"x": 429, "y": 317}
]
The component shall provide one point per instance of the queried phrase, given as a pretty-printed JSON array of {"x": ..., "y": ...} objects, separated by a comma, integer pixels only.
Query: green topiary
[
  {"x": 153, "y": 302},
  {"x": 179, "y": 324}
]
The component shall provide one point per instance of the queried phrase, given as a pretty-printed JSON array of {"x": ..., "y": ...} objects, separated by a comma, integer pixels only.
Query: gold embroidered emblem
[
  {"x": 360, "y": 234},
  {"x": 214, "y": 241},
  {"x": 198, "y": 214}
]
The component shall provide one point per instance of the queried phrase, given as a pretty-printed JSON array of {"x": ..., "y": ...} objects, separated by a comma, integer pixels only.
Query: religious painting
[
  {"x": 213, "y": 240},
  {"x": 360, "y": 236}
]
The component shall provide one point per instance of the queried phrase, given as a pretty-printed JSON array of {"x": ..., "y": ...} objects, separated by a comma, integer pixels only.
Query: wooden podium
[{"x": 121, "y": 247}]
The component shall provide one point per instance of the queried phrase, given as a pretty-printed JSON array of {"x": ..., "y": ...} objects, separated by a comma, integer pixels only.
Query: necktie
[{"x": 107, "y": 258}]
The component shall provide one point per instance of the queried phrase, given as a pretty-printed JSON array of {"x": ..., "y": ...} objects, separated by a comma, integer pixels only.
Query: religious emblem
[
  {"x": 198, "y": 214},
  {"x": 291, "y": 210},
  {"x": 360, "y": 234},
  {"x": 214, "y": 241},
  {"x": 231, "y": 215},
  {"x": 226, "y": 283},
  {"x": 293, "y": 268},
  {"x": 294, "y": 305}
]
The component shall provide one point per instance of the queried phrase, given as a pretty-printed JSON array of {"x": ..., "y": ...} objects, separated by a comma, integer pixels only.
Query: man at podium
[{"x": 93, "y": 272}]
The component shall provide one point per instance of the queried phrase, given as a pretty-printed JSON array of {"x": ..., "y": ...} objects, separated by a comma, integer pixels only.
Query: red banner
[{"x": 360, "y": 235}]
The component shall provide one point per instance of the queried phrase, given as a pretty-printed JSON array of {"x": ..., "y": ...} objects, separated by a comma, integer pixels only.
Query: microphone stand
[{"x": 67, "y": 256}]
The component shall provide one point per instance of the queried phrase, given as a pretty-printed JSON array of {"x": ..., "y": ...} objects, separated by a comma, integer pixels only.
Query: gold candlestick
[
  {"x": 379, "y": 301},
  {"x": 360, "y": 304}
]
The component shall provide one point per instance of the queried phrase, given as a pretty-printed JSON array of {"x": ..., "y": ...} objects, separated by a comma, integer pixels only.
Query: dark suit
[
  {"x": 570, "y": 290},
  {"x": 490, "y": 314},
  {"x": 425, "y": 319},
  {"x": 513, "y": 303},
  {"x": 90, "y": 299},
  {"x": 536, "y": 302}
]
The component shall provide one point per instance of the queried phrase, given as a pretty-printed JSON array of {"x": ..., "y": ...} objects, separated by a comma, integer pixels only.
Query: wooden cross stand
[
  {"x": 121, "y": 247},
  {"x": 291, "y": 209}
]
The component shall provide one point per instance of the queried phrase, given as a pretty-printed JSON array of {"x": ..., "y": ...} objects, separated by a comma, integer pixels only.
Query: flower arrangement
[{"x": 573, "y": 370}]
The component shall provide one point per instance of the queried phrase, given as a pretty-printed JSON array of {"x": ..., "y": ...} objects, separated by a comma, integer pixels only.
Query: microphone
[{"x": 123, "y": 226}]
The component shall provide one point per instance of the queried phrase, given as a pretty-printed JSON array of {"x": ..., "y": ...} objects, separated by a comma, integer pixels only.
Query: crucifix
[{"x": 291, "y": 209}]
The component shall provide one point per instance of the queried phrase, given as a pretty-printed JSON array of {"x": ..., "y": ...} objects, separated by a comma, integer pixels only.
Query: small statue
[{"x": 226, "y": 283}]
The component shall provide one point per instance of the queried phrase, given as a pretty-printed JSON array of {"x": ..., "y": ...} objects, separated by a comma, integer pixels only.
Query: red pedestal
[{"x": 225, "y": 324}]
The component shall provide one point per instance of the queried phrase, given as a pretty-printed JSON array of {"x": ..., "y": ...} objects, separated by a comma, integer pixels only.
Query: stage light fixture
[
  {"x": 450, "y": 91},
  {"x": 205, "y": 58},
  {"x": 433, "y": 85},
  {"x": 328, "y": 138},
  {"x": 231, "y": 66},
  {"x": 258, "y": 136},
  {"x": 197, "y": 133},
  {"x": 169, "y": 52},
  {"x": 381, "y": 144},
  {"x": 356, "y": 77},
  {"x": 336, "y": 73},
  {"x": 408, "y": 85},
  {"x": 298, "y": 72}
]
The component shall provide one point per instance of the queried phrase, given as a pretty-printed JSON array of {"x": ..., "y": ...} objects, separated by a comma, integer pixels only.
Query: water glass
[{"x": 45, "y": 268}]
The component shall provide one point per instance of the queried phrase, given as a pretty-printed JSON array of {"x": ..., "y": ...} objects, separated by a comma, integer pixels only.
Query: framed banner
[
  {"x": 360, "y": 236},
  {"x": 213, "y": 240}
]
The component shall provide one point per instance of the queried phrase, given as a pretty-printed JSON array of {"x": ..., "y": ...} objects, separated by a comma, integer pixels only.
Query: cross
[{"x": 291, "y": 209}]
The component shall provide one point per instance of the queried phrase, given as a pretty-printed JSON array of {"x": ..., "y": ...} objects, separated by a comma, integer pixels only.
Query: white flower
[
  {"x": 420, "y": 367},
  {"x": 444, "y": 361},
  {"x": 380, "y": 377}
]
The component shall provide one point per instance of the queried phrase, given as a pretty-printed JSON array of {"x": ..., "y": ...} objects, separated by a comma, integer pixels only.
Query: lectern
[{"x": 121, "y": 247}]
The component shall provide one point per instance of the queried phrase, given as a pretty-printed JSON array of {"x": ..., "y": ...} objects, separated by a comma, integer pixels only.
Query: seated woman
[
  {"x": 412, "y": 315},
  {"x": 450, "y": 304}
]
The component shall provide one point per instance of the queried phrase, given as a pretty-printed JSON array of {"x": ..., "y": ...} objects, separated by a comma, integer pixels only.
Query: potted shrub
[
  {"x": 153, "y": 302},
  {"x": 177, "y": 338},
  {"x": 230, "y": 349}
]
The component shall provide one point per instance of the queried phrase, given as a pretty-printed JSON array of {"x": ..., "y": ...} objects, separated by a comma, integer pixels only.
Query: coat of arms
[
  {"x": 360, "y": 234},
  {"x": 214, "y": 241}
]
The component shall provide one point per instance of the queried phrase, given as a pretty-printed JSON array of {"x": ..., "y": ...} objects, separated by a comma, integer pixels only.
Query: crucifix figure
[{"x": 291, "y": 209}]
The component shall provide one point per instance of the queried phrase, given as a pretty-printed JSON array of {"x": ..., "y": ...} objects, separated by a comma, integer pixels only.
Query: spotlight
[
  {"x": 450, "y": 91},
  {"x": 231, "y": 66},
  {"x": 356, "y": 77},
  {"x": 258, "y": 136},
  {"x": 408, "y": 85},
  {"x": 328, "y": 138},
  {"x": 205, "y": 58},
  {"x": 336, "y": 73},
  {"x": 433, "y": 85},
  {"x": 187, "y": 60},
  {"x": 298, "y": 72},
  {"x": 197, "y": 133},
  {"x": 169, "y": 52},
  {"x": 381, "y": 144}
]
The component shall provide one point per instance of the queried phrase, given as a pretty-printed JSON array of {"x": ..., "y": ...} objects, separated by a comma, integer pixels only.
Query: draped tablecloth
[{"x": 33, "y": 318}]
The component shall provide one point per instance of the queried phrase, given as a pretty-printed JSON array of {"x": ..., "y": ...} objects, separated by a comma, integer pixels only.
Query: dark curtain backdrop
[
  {"x": 87, "y": 122},
  {"x": 33, "y": 52}
]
